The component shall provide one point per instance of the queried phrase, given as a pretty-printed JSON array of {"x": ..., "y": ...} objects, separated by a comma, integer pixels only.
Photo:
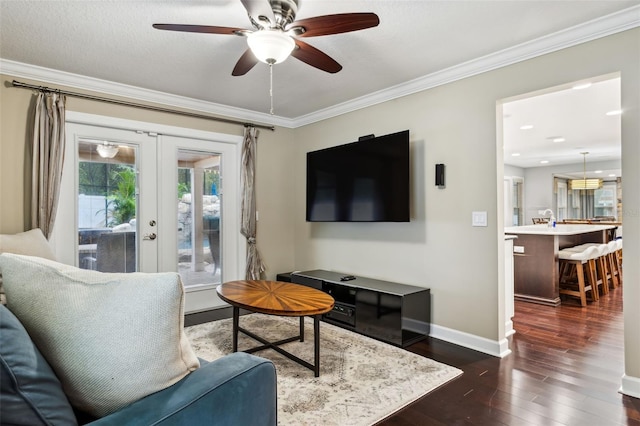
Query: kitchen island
[{"x": 535, "y": 252}]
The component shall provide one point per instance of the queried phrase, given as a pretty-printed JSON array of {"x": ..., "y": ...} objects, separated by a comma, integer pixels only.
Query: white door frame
[
  {"x": 235, "y": 267},
  {"x": 230, "y": 193},
  {"x": 63, "y": 239}
]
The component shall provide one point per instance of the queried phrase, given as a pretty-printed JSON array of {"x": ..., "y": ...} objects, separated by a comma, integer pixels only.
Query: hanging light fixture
[
  {"x": 270, "y": 46},
  {"x": 107, "y": 150},
  {"x": 585, "y": 183}
]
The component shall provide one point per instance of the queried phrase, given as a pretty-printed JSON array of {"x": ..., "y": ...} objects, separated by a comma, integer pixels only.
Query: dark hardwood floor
[{"x": 565, "y": 369}]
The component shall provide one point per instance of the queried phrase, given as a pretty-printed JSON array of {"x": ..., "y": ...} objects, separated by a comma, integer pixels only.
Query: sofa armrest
[{"x": 237, "y": 389}]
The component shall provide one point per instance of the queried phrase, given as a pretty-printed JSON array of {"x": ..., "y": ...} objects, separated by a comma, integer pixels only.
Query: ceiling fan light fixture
[
  {"x": 107, "y": 150},
  {"x": 270, "y": 46}
]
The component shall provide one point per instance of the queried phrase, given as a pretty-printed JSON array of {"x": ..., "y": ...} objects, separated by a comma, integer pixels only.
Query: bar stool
[
  {"x": 581, "y": 266},
  {"x": 613, "y": 263},
  {"x": 618, "y": 258},
  {"x": 603, "y": 269}
]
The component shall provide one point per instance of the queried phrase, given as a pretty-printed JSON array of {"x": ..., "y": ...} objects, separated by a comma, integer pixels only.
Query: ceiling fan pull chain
[{"x": 271, "y": 86}]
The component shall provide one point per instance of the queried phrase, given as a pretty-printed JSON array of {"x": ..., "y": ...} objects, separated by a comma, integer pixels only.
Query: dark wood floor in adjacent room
[{"x": 565, "y": 369}]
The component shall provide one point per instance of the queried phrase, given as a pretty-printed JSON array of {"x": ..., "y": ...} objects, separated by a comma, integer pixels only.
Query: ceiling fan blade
[
  {"x": 201, "y": 29},
  {"x": 257, "y": 8},
  {"x": 247, "y": 61},
  {"x": 314, "y": 57},
  {"x": 336, "y": 24}
]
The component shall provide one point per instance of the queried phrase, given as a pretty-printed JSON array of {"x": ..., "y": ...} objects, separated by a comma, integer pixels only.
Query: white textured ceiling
[
  {"x": 114, "y": 41},
  {"x": 578, "y": 116}
]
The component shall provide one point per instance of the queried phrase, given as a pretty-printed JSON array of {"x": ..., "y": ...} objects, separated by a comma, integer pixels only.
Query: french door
[
  {"x": 198, "y": 203},
  {"x": 141, "y": 197}
]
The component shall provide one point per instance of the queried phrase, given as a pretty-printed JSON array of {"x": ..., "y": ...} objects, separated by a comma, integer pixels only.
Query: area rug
[{"x": 362, "y": 380}]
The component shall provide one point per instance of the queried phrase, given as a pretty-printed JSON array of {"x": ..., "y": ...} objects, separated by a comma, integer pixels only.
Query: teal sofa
[{"x": 238, "y": 389}]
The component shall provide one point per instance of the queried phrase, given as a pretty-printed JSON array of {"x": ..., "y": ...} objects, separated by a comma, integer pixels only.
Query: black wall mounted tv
[{"x": 364, "y": 181}]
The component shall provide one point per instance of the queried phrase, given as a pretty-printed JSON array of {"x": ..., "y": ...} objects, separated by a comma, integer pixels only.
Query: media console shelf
[{"x": 394, "y": 313}]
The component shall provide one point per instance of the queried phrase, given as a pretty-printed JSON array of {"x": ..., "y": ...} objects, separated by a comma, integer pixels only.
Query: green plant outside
[
  {"x": 122, "y": 200},
  {"x": 183, "y": 188}
]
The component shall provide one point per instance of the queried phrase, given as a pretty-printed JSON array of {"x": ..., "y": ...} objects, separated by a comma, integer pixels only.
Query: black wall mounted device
[{"x": 440, "y": 175}]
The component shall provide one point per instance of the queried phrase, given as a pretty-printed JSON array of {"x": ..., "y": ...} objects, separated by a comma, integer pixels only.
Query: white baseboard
[
  {"x": 200, "y": 299},
  {"x": 471, "y": 341},
  {"x": 508, "y": 329},
  {"x": 630, "y": 386}
]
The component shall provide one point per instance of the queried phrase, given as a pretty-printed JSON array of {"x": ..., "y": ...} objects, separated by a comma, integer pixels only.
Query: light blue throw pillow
[{"x": 30, "y": 392}]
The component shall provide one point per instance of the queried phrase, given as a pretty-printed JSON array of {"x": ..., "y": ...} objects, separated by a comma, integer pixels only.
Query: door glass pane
[
  {"x": 107, "y": 206},
  {"x": 198, "y": 209}
]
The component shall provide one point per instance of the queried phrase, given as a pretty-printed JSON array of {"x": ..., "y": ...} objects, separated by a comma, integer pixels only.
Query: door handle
[{"x": 151, "y": 236}]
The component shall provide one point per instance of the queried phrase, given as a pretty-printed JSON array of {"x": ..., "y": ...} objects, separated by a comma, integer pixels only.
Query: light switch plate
[
  {"x": 478, "y": 218},
  {"x": 518, "y": 249}
]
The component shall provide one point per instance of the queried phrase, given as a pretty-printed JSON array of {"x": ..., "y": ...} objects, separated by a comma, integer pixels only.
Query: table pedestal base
[{"x": 315, "y": 367}]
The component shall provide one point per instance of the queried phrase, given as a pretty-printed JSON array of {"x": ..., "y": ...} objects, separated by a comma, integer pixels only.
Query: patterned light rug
[{"x": 362, "y": 380}]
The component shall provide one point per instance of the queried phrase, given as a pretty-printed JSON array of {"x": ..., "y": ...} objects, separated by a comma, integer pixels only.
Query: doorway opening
[{"x": 542, "y": 136}]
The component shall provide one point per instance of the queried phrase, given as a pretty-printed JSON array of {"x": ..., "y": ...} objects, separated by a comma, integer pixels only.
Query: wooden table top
[{"x": 275, "y": 297}]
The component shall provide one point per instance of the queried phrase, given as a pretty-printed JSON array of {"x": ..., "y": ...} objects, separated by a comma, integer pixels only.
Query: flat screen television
[{"x": 364, "y": 181}]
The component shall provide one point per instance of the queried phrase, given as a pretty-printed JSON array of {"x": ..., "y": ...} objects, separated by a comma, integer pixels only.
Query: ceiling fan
[{"x": 275, "y": 33}]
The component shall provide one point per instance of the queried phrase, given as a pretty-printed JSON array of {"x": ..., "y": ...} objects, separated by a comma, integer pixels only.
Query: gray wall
[
  {"x": 513, "y": 171},
  {"x": 456, "y": 124}
]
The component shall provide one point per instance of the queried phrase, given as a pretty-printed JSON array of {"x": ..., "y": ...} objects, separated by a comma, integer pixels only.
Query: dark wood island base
[{"x": 535, "y": 257}]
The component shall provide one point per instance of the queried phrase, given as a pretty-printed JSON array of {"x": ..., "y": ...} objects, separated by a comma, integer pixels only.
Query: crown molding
[
  {"x": 601, "y": 27},
  {"x": 77, "y": 81}
]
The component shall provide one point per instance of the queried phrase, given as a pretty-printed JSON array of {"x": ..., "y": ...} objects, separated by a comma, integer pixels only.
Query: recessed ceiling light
[
  {"x": 544, "y": 162},
  {"x": 526, "y": 127},
  {"x": 515, "y": 154},
  {"x": 598, "y": 171},
  {"x": 581, "y": 86},
  {"x": 614, "y": 112},
  {"x": 612, "y": 175},
  {"x": 558, "y": 139}
]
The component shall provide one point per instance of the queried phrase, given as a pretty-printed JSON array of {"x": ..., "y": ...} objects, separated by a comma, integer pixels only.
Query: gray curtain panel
[
  {"x": 47, "y": 160},
  {"x": 255, "y": 267}
]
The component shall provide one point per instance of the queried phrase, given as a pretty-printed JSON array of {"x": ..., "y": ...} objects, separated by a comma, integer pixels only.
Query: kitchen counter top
[{"x": 560, "y": 229}]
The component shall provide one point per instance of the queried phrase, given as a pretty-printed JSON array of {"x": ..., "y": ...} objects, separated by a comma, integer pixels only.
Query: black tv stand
[{"x": 395, "y": 313}]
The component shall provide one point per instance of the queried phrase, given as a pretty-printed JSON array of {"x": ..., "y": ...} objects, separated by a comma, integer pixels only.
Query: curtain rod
[{"x": 132, "y": 104}]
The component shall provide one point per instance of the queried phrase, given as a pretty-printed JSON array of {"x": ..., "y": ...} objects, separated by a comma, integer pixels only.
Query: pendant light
[{"x": 585, "y": 183}]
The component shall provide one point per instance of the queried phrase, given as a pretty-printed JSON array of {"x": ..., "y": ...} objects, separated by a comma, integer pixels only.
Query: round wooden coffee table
[{"x": 280, "y": 299}]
